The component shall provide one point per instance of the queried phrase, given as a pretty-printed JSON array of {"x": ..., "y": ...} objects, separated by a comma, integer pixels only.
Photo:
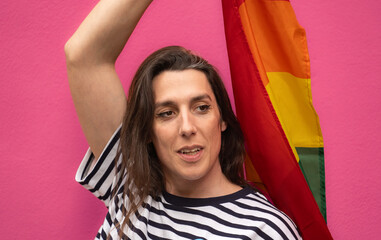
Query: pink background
[{"x": 41, "y": 143}]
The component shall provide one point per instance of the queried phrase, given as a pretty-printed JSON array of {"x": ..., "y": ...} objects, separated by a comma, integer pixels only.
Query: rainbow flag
[{"x": 270, "y": 72}]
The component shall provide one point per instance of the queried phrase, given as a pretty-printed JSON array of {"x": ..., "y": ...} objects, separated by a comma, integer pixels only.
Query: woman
[{"x": 174, "y": 168}]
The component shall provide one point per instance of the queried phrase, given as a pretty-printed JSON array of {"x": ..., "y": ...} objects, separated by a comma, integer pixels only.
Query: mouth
[{"x": 190, "y": 152}]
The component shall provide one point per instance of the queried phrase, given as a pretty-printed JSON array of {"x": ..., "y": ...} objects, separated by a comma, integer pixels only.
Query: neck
[{"x": 212, "y": 185}]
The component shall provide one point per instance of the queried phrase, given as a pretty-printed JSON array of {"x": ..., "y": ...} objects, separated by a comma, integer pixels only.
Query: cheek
[
  {"x": 161, "y": 140},
  {"x": 214, "y": 134},
  {"x": 217, "y": 139}
]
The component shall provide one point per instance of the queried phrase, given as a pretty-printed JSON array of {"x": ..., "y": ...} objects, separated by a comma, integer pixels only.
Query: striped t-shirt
[{"x": 245, "y": 214}]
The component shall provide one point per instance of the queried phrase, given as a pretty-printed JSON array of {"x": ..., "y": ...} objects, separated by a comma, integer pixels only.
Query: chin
[{"x": 193, "y": 176}]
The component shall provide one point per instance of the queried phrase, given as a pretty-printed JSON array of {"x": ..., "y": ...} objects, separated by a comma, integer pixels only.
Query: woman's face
[{"x": 187, "y": 129}]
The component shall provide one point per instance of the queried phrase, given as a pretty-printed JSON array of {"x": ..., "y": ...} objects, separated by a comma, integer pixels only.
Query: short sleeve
[{"x": 100, "y": 179}]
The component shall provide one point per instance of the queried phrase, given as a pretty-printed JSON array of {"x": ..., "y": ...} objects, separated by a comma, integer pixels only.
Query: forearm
[{"x": 102, "y": 35}]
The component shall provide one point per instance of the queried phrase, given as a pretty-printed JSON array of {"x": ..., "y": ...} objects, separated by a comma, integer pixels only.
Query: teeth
[{"x": 190, "y": 151}]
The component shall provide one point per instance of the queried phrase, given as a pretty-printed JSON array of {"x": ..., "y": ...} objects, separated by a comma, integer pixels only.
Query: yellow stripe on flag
[{"x": 292, "y": 102}]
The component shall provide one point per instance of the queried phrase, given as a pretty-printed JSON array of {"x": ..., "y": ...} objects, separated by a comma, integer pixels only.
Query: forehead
[{"x": 181, "y": 85}]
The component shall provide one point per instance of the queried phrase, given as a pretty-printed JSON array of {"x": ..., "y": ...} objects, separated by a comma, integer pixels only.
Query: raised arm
[{"x": 91, "y": 53}]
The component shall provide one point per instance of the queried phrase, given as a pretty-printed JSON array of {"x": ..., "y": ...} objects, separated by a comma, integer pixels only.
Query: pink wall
[
  {"x": 41, "y": 143},
  {"x": 344, "y": 41}
]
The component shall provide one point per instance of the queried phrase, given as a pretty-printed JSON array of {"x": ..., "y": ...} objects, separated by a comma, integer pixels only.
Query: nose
[{"x": 187, "y": 125}]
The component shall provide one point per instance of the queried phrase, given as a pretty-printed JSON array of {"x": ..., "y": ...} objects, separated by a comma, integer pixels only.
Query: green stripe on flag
[{"x": 312, "y": 165}]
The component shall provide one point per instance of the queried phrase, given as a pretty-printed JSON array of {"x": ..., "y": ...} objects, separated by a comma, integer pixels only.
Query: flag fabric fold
[{"x": 270, "y": 72}]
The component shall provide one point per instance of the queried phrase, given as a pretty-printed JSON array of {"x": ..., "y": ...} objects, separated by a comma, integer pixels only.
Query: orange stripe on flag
[{"x": 274, "y": 37}]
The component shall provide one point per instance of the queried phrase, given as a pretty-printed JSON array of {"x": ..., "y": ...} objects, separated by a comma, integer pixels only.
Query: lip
[{"x": 190, "y": 158}]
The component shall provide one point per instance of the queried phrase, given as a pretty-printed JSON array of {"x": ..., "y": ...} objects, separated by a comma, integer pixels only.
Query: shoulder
[
  {"x": 100, "y": 175},
  {"x": 261, "y": 213}
]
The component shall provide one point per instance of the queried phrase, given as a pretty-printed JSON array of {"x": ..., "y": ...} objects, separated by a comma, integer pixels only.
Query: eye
[
  {"x": 203, "y": 108},
  {"x": 165, "y": 114}
]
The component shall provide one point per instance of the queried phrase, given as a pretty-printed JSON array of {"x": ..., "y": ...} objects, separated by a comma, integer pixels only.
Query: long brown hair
[{"x": 140, "y": 164}]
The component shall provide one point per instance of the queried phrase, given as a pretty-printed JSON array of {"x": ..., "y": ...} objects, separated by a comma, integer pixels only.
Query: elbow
[
  {"x": 80, "y": 53},
  {"x": 72, "y": 53},
  {"x": 76, "y": 53},
  {"x": 67, "y": 49}
]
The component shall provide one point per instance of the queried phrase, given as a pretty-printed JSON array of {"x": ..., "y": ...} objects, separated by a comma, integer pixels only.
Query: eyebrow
[{"x": 193, "y": 100}]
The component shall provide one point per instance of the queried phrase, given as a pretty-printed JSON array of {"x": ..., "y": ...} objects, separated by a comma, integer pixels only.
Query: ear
[{"x": 223, "y": 126}]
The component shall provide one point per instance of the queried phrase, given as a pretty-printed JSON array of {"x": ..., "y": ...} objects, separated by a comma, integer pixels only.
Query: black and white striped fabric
[{"x": 245, "y": 214}]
